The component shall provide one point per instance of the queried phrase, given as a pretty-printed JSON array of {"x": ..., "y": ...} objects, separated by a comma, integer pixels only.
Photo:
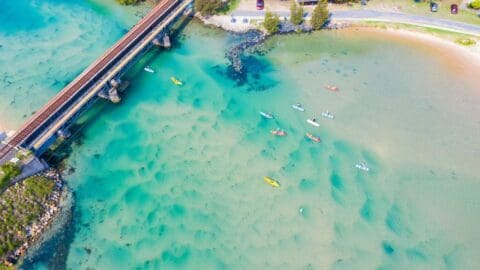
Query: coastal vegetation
[
  {"x": 208, "y": 7},
  {"x": 475, "y": 4},
  {"x": 21, "y": 206},
  {"x": 128, "y": 2},
  {"x": 228, "y": 7},
  {"x": 296, "y": 13},
  {"x": 319, "y": 15},
  {"x": 271, "y": 22},
  {"x": 8, "y": 171}
]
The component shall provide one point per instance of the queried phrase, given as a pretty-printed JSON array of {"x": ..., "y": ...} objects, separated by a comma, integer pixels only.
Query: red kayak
[{"x": 313, "y": 137}]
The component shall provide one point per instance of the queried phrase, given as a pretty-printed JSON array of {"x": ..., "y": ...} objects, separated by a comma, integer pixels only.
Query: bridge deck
[{"x": 76, "y": 89}]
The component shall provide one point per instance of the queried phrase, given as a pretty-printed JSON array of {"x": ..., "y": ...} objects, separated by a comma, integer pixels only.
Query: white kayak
[
  {"x": 328, "y": 115},
  {"x": 266, "y": 115},
  {"x": 298, "y": 107},
  {"x": 313, "y": 122},
  {"x": 362, "y": 166},
  {"x": 149, "y": 70}
]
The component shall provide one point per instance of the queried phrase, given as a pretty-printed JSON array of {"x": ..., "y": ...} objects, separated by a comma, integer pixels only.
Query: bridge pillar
[
  {"x": 64, "y": 133},
  {"x": 115, "y": 82},
  {"x": 113, "y": 95},
  {"x": 162, "y": 41},
  {"x": 111, "y": 92}
]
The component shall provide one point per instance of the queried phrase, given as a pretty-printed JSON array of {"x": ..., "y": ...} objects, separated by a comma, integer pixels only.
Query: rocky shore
[
  {"x": 250, "y": 35},
  {"x": 28, "y": 209}
]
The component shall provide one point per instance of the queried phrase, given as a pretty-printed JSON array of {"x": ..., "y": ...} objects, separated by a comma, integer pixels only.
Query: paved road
[{"x": 395, "y": 17}]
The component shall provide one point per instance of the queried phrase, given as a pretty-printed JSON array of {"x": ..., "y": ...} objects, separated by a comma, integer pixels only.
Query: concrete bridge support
[
  {"x": 110, "y": 91},
  {"x": 64, "y": 133},
  {"x": 162, "y": 41}
]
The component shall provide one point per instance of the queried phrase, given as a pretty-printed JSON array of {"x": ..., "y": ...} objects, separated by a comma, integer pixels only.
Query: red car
[
  {"x": 454, "y": 9},
  {"x": 260, "y": 4}
]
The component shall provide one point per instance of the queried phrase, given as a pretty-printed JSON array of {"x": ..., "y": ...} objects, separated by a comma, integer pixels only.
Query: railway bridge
[{"x": 101, "y": 79}]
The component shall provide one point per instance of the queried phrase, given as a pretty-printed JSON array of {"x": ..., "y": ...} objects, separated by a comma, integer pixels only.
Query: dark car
[
  {"x": 454, "y": 9},
  {"x": 433, "y": 7},
  {"x": 260, "y": 5}
]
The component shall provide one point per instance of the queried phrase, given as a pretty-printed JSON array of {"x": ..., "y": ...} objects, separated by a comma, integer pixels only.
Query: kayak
[
  {"x": 271, "y": 182},
  {"x": 362, "y": 166},
  {"x": 313, "y": 137},
  {"x": 298, "y": 107},
  {"x": 266, "y": 115},
  {"x": 149, "y": 69},
  {"x": 278, "y": 132},
  {"x": 176, "y": 81},
  {"x": 313, "y": 122},
  {"x": 332, "y": 88}
]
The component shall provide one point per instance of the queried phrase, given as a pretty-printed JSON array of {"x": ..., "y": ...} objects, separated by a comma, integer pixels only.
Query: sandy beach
[
  {"x": 460, "y": 58},
  {"x": 455, "y": 55}
]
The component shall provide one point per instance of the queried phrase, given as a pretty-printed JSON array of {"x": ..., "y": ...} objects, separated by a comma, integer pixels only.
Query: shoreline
[
  {"x": 414, "y": 33},
  {"x": 454, "y": 53}
]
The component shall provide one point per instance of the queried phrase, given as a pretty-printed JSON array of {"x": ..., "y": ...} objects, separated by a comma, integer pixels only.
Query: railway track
[{"x": 90, "y": 75}]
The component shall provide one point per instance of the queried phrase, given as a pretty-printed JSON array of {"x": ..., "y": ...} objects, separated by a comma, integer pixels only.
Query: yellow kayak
[
  {"x": 271, "y": 181},
  {"x": 176, "y": 81}
]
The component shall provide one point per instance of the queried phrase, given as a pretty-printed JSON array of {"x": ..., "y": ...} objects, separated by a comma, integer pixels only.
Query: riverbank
[{"x": 28, "y": 209}]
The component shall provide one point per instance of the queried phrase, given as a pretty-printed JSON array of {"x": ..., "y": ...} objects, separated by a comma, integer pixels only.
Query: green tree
[
  {"x": 475, "y": 4},
  {"x": 128, "y": 2},
  {"x": 319, "y": 15},
  {"x": 296, "y": 13},
  {"x": 208, "y": 7},
  {"x": 271, "y": 22}
]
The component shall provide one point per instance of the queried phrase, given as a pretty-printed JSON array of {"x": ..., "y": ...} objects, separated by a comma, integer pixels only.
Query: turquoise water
[
  {"x": 171, "y": 178},
  {"x": 46, "y": 44}
]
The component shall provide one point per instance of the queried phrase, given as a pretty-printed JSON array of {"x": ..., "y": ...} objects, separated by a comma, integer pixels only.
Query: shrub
[
  {"x": 319, "y": 15},
  {"x": 128, "y": 2},
  {"x": 208, "y": 7},
  {"x": 466, "y": 41},
  {"x": 296, "y": 13},
  {"x": 271, "y": 22},
  {"x": 344, "y": 1},
  {"x": 8, "y": 171},
  {"x": 475, "y": 4}
]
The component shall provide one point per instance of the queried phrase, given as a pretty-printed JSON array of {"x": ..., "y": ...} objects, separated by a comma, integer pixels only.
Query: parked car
[
  {"x": 260, "y": 4},
  {"x": 433, "y": 7},
  {"x": 454, "y": 9}
]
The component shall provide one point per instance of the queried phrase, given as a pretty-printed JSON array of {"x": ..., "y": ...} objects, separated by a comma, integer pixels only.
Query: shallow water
[
  {"x": 171, "y": 178},
  {"x": 46, "y": 44}
]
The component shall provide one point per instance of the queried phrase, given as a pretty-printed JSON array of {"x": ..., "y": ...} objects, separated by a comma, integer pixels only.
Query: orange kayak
[{"x": 332, "y": 88}]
